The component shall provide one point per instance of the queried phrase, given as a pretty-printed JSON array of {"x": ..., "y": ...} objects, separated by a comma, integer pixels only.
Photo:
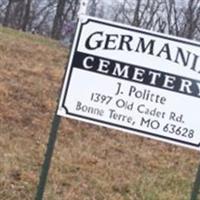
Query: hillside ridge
[{"x": 89, "y": 162}]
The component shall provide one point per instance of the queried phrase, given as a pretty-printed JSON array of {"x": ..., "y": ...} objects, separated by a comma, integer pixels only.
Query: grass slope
[{"x": 90, "y": 162}]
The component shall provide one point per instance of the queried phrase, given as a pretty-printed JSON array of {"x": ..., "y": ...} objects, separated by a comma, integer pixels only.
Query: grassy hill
[{"x": 90, "y": 162}]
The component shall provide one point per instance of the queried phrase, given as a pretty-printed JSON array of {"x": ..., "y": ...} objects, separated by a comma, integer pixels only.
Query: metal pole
[
  {"x": 53, "y": 134},
  {"x": 196, "y": 186},
  {"x": 48, "y": 156}
]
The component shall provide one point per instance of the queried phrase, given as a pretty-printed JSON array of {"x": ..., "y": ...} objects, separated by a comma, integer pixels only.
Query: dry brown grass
[{"x": 90, "y": 162}]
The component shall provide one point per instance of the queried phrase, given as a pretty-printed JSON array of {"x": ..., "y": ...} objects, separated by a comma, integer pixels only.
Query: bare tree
[
  {"x": 167, "y": 16},
  {"x": 8, "y": 10},
  {"x": 51, "y": 17},
  {"x": 58, "y": 22},
  {"x": 181, "y": 20},
  {"x": 66, "y": 12},
  {"x": 41, "y": 16},
  {"x": 26, "y": 15},
  {"x": 192, "y": 15},
  {"x": 138, "y": 13},
  {"x": 17, "y": 14},
  {"x": 136, "y": 20},
  {"x": 93, "y": 7}
]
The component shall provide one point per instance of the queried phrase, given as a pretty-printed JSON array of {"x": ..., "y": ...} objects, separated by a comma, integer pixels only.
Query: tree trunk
[
  {"x": 26, "y": 15},
  {"x": 58, "y": 21},
  {"x": 7, "y": 15},
  {"x": 190, "y": 19},
  {"x": 93, "y": 8},
  {"x": 136, "y": 20},
  {"x": 74, "y": 12}
]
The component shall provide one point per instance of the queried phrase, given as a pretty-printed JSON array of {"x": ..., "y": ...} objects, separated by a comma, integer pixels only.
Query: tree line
[{"x": 57, "y": 18}]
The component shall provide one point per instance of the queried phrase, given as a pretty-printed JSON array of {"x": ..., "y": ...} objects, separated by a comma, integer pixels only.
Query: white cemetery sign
[{"x": 134, "y": 80}]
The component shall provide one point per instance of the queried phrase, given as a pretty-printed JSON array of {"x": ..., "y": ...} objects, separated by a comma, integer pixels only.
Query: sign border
[{"x": 68, "y": 73}]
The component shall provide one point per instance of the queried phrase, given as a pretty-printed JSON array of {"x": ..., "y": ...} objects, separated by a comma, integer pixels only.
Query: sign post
[
  {"x": 48, "y": 156},
  {"x": 196, "y": 186},
  {"x": 53, "y": 134}
]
